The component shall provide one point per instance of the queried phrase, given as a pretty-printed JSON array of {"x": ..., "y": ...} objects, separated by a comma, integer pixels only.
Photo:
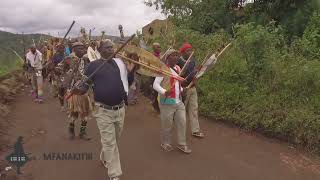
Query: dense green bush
[{"x": 262, "y": 82}]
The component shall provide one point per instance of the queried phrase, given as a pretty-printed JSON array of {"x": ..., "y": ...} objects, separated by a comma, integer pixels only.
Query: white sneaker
[{"x": 115, "y": 178}]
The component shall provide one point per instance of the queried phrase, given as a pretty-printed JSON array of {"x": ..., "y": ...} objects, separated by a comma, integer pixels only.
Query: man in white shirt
[
  {"x": 34, "y": 59},
  {"x": 172, "y": 108}
]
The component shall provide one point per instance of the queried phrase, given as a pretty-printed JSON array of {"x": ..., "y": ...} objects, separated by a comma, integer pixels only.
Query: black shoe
[
  {"x": 155, "y": 106},
  {"x": 71, "y": 131},
  {"x": 83, "y": 134}
]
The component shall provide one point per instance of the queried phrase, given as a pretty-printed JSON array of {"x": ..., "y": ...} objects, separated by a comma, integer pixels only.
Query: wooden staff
[
  {"x": 15, "y": 52},
  {"x": 152, "y": 68},
  {"x": 161, "y": 58},
  {"x": 221, "y": 52},
  {"x": 186, "y": 64},
  {"x": 65, "y": 36},
  {"x": 102, "y": 35},
  {"x": 224, "y": 49}
]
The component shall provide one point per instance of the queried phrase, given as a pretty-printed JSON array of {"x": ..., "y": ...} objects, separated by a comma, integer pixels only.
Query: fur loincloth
[{"x": 80, "y": 104}]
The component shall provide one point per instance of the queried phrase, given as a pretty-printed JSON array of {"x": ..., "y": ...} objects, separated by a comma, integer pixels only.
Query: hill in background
[
  {"x": 19, "y": 42},
  {"x": 9, "y": 42}
]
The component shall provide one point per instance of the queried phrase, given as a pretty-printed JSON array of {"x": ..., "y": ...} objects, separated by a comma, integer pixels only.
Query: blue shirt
[{"x": 67, "y": 51}]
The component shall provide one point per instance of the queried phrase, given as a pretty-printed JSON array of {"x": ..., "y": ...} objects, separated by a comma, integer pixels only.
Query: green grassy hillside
[{"x": 8, "y": 42}]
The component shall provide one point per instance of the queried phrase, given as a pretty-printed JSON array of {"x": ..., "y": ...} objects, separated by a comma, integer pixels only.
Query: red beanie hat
[{"x": 185, "y": 47}]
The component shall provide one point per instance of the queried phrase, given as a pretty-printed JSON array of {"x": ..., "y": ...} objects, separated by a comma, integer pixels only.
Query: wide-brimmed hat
[{"x": 170, "y": 52}]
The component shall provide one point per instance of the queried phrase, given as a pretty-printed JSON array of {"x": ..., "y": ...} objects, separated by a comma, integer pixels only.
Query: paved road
[{"x": 225, "y": 154}]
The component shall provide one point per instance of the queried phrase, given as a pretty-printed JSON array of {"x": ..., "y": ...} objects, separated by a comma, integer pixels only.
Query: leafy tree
[{"x": 207, "y": 16}]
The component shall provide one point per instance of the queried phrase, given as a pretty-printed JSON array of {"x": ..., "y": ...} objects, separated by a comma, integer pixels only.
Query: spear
[
  {"x": 186, "y": 64},
  {"x": 15, "y": 52},
  {"x": 205, "y": 61},
  {"x": 164, "y": 55}
]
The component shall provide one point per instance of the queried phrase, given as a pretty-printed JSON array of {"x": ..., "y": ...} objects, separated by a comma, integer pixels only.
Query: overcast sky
[{"x": 53, "y": 16}]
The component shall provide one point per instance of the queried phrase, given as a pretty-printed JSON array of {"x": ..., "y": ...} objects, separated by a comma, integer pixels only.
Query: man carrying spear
[
  {"x": 61, "y": 79},
  {"x": 34, "y": 59},
  {"x": 110, "y": 82},
  {"x": 191, "y": 98},
  {"x": 55, "y": 74}
]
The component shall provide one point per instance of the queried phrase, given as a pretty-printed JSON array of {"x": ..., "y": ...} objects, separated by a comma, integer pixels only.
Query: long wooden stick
[
  {"x": 200, "y": 66},
  {"x": 186, "y": 64},
  {"x": 65, "y": 36},
  {"x": 15, "y": 52},
  {"x": 152, "y": 68},
  {"x": 163, "y": 56},
  {"x": 224, "y": 49},
  {"x": 220, "y": 53}
]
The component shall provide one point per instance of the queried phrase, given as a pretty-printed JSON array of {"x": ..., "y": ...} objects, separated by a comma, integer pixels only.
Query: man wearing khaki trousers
[
  {"x": 110, "y": 124},
  {"x": 110, "y": 87},
  {"x": 172, "y": 109},
  {"x": 191, "y": 98}
]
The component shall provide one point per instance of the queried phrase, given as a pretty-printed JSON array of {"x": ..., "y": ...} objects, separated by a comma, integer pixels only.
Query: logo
[{"x": 18, "y": 157}]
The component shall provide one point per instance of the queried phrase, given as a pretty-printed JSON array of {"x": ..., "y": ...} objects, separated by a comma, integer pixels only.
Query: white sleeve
[
  {"x": 123, "y": 74},
  {"x": 40, "y": 58},
  {"x": 28, "y": 58},
  {"x": 157, "y": 85}
]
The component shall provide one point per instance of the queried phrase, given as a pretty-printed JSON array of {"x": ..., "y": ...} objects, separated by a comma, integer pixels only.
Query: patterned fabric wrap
[{"x": 169, "y": 83}]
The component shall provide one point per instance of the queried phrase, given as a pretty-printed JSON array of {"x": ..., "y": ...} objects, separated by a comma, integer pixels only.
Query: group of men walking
[
  {"x": 62, "y": 70},
  {"x": 105, "y": 94}
]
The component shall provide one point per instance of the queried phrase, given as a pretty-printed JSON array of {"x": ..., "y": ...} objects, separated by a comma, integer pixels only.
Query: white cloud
[{"x": 53, "y": 16}]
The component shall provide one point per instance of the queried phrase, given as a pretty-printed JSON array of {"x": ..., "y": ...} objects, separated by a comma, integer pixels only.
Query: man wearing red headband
[{"x": 191, "y": 98}]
